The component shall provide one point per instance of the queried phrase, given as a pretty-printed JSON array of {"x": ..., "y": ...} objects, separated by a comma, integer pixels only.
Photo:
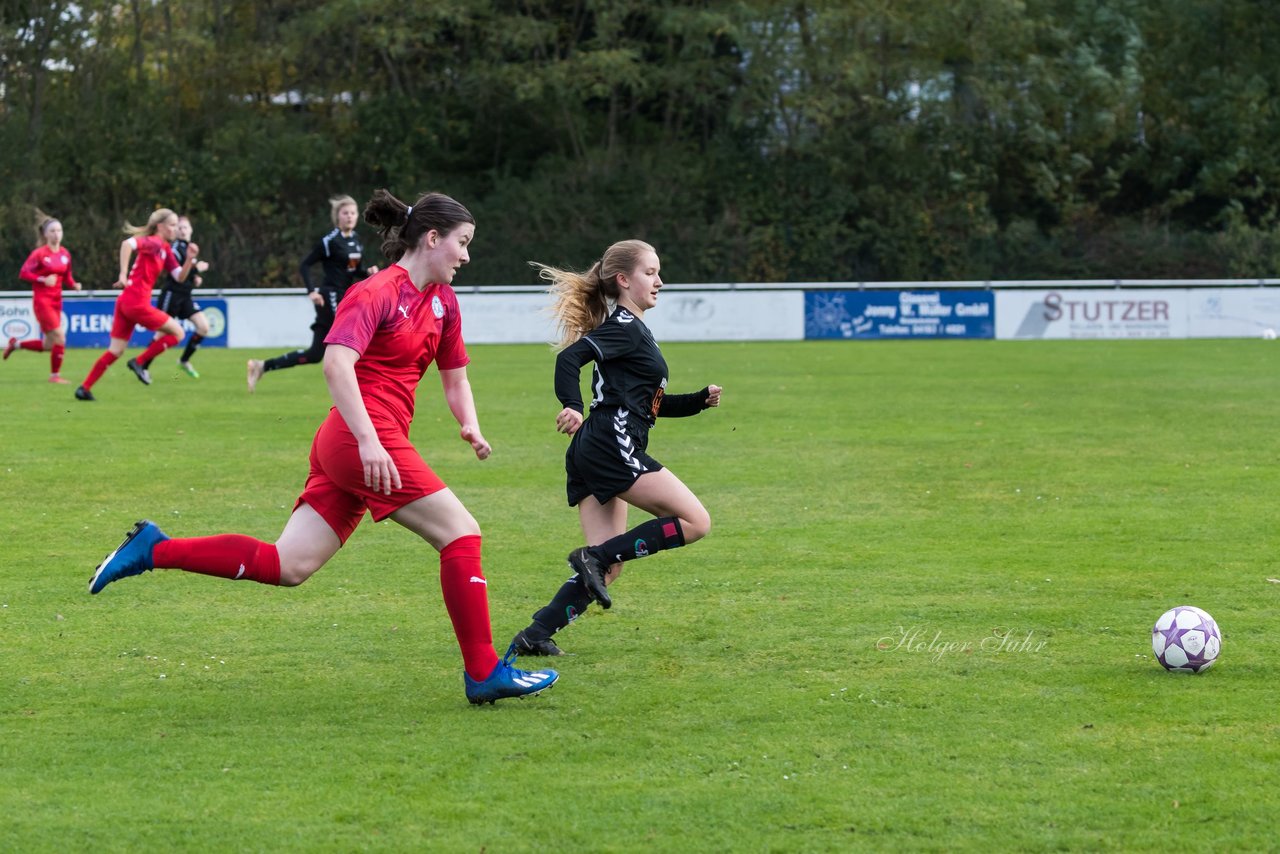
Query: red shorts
[
  {"x": 335, "y": 486},
  {"x": 48, "y": 313},
  {"x": 131, "y": 312}
]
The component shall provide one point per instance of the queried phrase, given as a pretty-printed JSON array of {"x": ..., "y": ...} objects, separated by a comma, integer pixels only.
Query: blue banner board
[
  {"x": 88, "y": 323},
  {"x": 899, "y": 314}
]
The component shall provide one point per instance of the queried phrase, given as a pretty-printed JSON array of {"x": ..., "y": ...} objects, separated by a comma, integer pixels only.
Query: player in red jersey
[
  {"x": 388, "y": 330},
  {"x": 48, "y": 269},
  {"x": 133, "y": 306}
]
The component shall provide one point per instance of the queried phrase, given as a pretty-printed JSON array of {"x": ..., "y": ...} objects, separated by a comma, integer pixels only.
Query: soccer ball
[
  {"x": 1186, "y": 640},
  {"x": 1269, "y": 334}
]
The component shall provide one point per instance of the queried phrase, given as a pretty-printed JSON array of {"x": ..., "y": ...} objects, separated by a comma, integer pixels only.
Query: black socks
[
  {"x": 641, "y": 541},
  {"x": 572, "y": 598}
]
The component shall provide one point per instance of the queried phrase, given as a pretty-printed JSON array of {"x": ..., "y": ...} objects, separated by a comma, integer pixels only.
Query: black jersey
[
  {"x": 339, "y": 257},
  {"x": 629, "y": 373},
  {"x": 170, "y": 283}
]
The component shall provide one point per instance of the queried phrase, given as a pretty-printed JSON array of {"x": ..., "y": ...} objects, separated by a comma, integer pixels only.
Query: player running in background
[
  {"x": 600, "y": 315},
  {"x": 133, "y": 306},
  {"x": 338, "y": 253},
  {"x": 48, "y": 269},
  {"x": 387, "y": 332},
  {"x": 177, "y": 301}
]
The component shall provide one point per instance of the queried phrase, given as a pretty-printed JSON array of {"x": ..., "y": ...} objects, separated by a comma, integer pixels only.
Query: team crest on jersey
[
  {"x": 625, "y": 316},
  {"x": 437, "y": 307}
]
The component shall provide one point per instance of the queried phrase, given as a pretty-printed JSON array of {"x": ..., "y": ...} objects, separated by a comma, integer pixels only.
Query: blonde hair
[
  {"x": 337, "y": 203},
  {"x": 42, "y": 222},
  {"x": 153, "y": 222},
  {"x": 581, "y": 301}
]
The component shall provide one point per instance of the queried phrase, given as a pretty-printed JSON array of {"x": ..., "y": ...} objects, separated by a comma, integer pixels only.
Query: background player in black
[
  {"x": 177, "y": 301},
  {"x": 601, "y": 319},
  {"x": 338, "y": 253}
]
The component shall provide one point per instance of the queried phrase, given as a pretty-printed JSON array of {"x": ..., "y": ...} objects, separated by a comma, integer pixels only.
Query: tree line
[{"x": 749, "y": 140}]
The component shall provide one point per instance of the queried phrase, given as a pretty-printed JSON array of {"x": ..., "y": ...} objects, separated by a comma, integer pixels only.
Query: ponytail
[
  {"x": 402, "y": 226},
  {"x": 153, "y": 222},
  {"x": 43, "y": 221},
  {"x": 582, "y": 301}
]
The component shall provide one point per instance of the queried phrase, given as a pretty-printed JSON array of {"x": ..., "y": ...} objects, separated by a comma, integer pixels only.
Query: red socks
[
  {"x": 99, "y": 368},
  {"x": 233, "y": 556},
  {"x": 158, "y": 346},
  {"x": 462, "y": 581},
  {"x": 466, "y": 598},
  {"x": 37, "y": 346},
  {"x": 55, "y": 358}
]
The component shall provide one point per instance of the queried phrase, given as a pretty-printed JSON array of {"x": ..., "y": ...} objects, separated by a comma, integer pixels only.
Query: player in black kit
[
  {"x": 338, "y": 253},
  {"x": 601, "y": 319},
  {"x": 176, "y": 299}
]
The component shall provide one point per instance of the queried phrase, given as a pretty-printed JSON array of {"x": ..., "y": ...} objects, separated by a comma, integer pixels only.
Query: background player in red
[
  {"x": 48, "y": 269},
  {"x": 338, "y": 253},
  {"x": 133, "y": 306},
  {"x": 387, "y": 332},
  {"x": 177, "y": 301},
  {"x": 600, "y": 314}
]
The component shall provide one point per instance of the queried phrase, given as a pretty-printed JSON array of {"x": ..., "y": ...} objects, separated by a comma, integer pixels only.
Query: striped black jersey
[
  {"x": 339, "y": 257},
  {"x": 169, "y": 283},
  {"x": 629, "y": 372}
]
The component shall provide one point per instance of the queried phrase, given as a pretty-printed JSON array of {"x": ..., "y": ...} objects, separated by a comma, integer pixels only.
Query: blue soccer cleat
[
  {"x": 132, "y": 557},
  {"x": 507, "y": 681}
]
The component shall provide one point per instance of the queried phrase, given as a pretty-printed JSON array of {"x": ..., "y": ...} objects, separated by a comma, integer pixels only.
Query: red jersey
[
  {"x": 154, "y": 257},
  {"x": 398, "y": 331},
  {"x": 43, "y": 262}
]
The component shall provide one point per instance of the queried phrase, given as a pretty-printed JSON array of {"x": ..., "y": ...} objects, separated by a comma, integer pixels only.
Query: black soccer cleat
[
  {"x": 591, "y": 572},
  {"x": 143, "y": 375},
  {"x": 83, "y": 393},
  {"x": 527, "y": 646}
]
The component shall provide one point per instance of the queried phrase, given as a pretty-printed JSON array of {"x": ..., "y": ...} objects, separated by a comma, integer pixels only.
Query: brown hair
[
  {"x": 580, "y": 301},
  {"x": 401, "y": 228},
  {"x": 42, "y": 222},
  {"x": 153, "y": 223}
]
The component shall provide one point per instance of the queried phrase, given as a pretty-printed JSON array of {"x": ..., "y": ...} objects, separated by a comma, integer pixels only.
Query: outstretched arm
[
  {"x": 28, "y": 272},
  {"x": 126, "y": 250},
  {"x": 457, "y": 393},
  {"x": 193, "y": 252},
  {"x": 304, "y": 270},
  {"x": 684, "y": 405},
  {"x": 568, "y": 369},
  {"x": 380, "y": 471}
]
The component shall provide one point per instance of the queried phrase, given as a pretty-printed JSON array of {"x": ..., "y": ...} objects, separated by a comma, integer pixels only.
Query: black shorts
[
  {"x": 607, "y": 455},
  {"x": 179, "y": 304}
]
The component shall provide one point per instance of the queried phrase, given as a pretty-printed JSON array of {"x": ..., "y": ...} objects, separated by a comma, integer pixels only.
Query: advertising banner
[
  {"x": 1233, "y": 312},
  {"x": 899, "y": 314},
  {"x": 87, "y": 322},
  {"x": 679, "y": 316},
  {"x": 17, "y": 320},
  {"x": 727, "y": 316},
  {"x": 1116, "y": 313}
]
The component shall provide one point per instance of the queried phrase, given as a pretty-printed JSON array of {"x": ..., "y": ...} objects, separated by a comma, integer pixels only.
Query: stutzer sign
[{"x": 1091, "y": 314}]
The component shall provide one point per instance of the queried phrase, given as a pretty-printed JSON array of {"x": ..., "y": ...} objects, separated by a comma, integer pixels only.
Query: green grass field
[{"x": 921, "y": 621}]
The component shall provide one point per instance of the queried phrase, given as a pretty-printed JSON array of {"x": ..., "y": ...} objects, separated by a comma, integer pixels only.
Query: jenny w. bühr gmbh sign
[{"x": 899, "y": 314}]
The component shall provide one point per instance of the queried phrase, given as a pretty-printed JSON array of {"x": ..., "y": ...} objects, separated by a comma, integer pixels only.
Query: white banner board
[
  {"x": 1091, "y": 314},
  {"x": 1232, "y": 312}
]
